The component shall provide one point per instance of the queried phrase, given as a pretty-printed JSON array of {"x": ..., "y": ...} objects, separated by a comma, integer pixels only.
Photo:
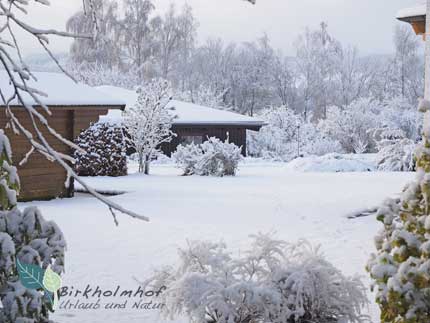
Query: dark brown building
[
  {"x": 187, "y": 134},
  {"x": 194, "y": 123},
  {"x": 73, "y": 107}
]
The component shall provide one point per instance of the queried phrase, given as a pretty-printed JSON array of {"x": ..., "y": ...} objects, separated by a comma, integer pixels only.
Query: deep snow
[{"x": 261, "y": 198}]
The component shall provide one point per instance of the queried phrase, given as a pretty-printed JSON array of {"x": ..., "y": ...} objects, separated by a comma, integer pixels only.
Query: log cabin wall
[{"x": 40, "y": 178}]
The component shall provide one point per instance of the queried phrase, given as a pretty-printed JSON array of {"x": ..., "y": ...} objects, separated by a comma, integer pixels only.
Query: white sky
[{"x": 367, "y": 24}]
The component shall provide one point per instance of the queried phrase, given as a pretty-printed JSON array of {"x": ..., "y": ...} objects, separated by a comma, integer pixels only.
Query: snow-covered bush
[
  {"x": 25, "y": 236},
  {"x": 398, "y": 113},
  {"x": 104, "y": 153},
  {"x": 278, "y": 139},
  {"x": 314, "y": 142},
  {"x": 272, "y": 281},
  {"x": 286, "y": 136},
  {"x": 148, "y": 123},
  {"x": 401, "y": 267},
  {"x": 395, "y": 152},
  {"x": 351, "y": 126},
  {"x": 186, "y": 157},
  {"x": 211, "y": 158}
]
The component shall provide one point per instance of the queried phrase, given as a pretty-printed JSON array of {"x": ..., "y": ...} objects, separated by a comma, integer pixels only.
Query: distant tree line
[{"x": 136, "y": 45}]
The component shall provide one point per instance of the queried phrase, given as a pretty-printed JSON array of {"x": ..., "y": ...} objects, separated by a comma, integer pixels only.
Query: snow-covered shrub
[
  {"x": 211, "y": 158},
  {"x": 219, "y": 158},
  {"x": 351, "y": 126},
  {"x": 104, "y": 147},
  {"x": 401, "y": 267},
  {"x": 25, "y": 236},
  {"x": 278, "y": 139},
  {"x": 186, "y": 157},
  {"x": 395, "y": 152},
  {"x": 272, "y": 281},
  {"x": 315, "y": 142},
  {"x": 286, "y": 136},
  {"x": 398, "y": 113}
]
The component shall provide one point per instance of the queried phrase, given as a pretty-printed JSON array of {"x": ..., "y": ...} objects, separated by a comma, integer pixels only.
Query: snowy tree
[
  {"x": 272, "y": 281},
  {"x": 97, "y": 75},
  {"x": 148, "y": 123},
  {"x": 103, "y": 151},
  {"x": 284, "y": 79},
  {"x": 103, "y": 47},
  {"x": 316, "y": 52},
  {"x": 407, "y": 64},
  {"x": 138, "y": 36},
  {"x": 203, "y": 95}
]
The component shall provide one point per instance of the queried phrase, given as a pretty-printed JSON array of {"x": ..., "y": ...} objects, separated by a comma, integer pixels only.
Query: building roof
[
  {"x": 407, "y": 14},
  {"x": 61, "y": 91},
  {"x": 186, "y": 113}
]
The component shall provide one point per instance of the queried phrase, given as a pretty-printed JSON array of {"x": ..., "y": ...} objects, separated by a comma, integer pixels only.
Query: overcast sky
[{"x": 368, "y": 24}]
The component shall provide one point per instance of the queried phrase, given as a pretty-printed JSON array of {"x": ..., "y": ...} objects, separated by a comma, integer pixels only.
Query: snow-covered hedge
[
  {"x": 211, "y": 158},
  {"x": 272, "y": 281},
  {"x": 104, "y": 147},
  {"x": 25, "y": 236}
]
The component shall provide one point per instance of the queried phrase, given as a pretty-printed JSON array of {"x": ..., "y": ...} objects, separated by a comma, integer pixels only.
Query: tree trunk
[
  {"x": 141, "y": 163},
  {"x": 147, "y": 163}
]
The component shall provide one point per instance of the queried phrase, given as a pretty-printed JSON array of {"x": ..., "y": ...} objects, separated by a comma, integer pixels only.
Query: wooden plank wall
[
  {"x": 40, "y": 178},
  {"x": 237, "y": 135}
]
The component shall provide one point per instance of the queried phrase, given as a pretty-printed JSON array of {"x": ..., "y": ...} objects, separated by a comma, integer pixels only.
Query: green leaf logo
[
  {"x": 31, "y": 276},
  {"x": 51, "y": 281},
  {"x": 34, "y": 277}
]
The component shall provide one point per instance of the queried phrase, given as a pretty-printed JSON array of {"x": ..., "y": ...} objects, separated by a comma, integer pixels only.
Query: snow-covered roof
[
  {"x": 417, "y": 11},
  {"x": 186, "y": 113},
  {"x": 60, "y": 91}
]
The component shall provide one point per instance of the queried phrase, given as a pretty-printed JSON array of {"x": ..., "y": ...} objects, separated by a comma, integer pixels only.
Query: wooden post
[{"x": 427, "y": 54}]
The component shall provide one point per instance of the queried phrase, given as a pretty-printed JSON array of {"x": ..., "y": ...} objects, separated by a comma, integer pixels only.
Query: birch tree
[{"x": 148, "y": 123}]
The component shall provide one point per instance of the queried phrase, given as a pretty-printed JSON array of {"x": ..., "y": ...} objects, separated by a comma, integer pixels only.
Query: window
[{"x": 186, "y": 140}]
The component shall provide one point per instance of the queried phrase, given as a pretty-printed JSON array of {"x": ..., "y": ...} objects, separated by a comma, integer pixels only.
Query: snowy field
[{"x": 263, "y": 198}]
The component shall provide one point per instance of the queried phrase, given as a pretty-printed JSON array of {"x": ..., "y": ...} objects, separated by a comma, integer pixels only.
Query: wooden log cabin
[
  {"x": 194, "y": 123},
  {"x": 73, "y": 107}
]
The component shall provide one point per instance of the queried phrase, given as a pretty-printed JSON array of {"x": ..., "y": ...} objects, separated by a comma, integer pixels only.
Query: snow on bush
[
  {"x": 25, "y": 236},
  {"x": 286, "y": 136},
  {"x": 272, "y": 281},
  {"x": 104, "y": 147},
  {"x": 401, "y": 267},
  {"x": 350, "y": 126},
  {"x": 395, "y": 152},
  {"x": 211, "y": 158}
]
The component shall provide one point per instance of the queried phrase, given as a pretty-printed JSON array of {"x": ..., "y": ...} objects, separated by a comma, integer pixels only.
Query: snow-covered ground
[{"x": 263, "y": 197}]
